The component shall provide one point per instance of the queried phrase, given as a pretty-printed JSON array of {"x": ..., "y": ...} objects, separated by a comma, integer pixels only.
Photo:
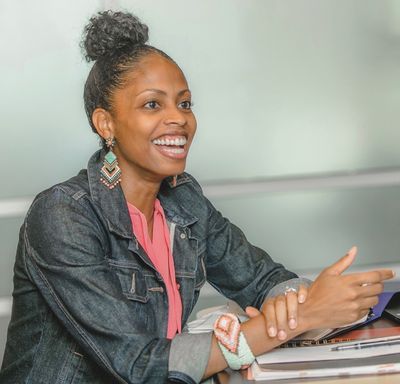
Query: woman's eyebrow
[
  {"x": 180, "y": 93},
  {"x": 154, "y": 90}
]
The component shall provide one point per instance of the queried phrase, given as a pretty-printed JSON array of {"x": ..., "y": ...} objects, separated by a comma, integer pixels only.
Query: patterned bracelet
[{"x": 232, "y": 342}]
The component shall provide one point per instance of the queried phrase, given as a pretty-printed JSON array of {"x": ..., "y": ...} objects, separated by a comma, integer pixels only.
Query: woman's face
[{"x": 152, "y": 119}]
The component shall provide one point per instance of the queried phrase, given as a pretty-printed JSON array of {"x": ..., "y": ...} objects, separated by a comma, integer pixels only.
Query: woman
[{"x": 110, "y": 263}]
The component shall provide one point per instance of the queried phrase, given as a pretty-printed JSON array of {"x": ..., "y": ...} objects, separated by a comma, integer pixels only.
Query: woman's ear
[{"x": 103, "y": 123}]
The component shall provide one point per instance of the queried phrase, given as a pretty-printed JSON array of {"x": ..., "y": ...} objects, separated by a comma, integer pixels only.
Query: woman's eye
[
  {"x": 151, "y": 105},
  {"x": 186, "y": 104}
]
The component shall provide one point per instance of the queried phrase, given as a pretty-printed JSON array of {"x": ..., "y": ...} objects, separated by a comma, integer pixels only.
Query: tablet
[{"x": 392, "y": 309}]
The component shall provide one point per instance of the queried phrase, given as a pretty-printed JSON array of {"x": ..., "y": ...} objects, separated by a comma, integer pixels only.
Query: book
[
  {"x": 368, "y": 366},
  {"x": 325, "y": 361}
]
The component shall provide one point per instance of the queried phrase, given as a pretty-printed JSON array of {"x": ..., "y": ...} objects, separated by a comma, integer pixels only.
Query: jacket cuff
[
  {"x": 280, "y": 288},
  {"x": 188, "y": 357}
]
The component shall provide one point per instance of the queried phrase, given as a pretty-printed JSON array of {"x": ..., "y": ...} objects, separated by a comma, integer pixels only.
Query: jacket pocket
[{"x": 132, "y": 280}]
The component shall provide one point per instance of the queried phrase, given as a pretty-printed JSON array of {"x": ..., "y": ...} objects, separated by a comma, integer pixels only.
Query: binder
[{"x": 327, "y": 336}]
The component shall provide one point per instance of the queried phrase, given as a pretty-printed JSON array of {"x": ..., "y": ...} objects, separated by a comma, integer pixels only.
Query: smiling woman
[{"x": 110, "y": 262}]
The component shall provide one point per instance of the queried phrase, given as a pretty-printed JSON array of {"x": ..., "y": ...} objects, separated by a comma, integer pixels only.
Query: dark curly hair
[{"x": 116, "y": 41}]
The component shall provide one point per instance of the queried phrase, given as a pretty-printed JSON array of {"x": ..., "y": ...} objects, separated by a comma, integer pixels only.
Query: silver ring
[{"x": 290, "y": 289}]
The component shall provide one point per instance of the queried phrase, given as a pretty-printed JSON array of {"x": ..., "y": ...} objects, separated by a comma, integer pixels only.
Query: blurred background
[{"x": 298, "y": 118}]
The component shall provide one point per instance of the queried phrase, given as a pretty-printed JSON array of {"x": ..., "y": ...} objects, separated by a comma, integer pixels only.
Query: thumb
[
  {"x": 252, "y": 312},
  {"x": 342, "y": 264}
]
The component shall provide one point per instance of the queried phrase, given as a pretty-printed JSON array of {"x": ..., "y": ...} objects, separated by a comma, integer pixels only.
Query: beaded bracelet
[{"x": 232, "y": 342}]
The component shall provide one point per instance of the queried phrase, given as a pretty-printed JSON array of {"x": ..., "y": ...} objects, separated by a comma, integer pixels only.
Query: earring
[{"x": 110, "y": 171}]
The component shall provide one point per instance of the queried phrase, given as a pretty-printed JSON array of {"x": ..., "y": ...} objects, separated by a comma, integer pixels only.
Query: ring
[
  {"x": 290, "y": 289},
  {"x": 365, "y": 284}
]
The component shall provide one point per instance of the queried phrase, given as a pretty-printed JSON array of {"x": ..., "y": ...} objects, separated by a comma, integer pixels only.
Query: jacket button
[{"x": 183, "y": 236}]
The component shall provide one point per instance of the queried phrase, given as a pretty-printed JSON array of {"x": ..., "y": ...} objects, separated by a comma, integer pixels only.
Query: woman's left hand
[{"x": 280, "y": 312}]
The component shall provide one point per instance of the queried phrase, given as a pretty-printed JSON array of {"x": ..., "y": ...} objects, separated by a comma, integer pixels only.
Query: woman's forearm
[{"x": 254, "y": 331}]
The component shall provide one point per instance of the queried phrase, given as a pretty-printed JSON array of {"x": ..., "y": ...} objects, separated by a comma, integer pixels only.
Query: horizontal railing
[{"x": 244, "y": 187}]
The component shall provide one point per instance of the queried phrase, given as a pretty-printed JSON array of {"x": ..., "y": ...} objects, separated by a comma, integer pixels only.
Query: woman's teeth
[
  {"x": 175, "y": 150},
  {"x": 178, "y": 141}
]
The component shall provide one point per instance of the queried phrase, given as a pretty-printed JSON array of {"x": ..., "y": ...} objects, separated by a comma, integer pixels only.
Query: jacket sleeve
[
  {"x": 235, "y": 267},
  {"x": 65, "y": 256}
]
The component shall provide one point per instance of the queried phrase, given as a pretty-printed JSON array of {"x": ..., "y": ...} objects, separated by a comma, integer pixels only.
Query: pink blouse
[{"x": 159, "y": 251}]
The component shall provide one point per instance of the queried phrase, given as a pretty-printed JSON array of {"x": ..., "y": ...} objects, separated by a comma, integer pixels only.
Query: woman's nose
[{"x": 174, "y": 116}]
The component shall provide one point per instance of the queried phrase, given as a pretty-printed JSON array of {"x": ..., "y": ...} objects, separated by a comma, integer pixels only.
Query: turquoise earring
[{"x": 110, "y": 171}]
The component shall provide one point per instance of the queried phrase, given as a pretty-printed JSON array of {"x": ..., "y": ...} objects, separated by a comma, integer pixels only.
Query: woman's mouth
[{"x": 172, "y": 146}]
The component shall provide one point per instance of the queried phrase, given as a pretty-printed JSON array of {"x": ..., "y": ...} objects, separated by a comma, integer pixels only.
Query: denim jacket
[{"x": 89, "y": 306}]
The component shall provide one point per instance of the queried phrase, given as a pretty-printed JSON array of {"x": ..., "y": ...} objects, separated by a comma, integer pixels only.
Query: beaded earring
[{"x": 110, "y": 171}]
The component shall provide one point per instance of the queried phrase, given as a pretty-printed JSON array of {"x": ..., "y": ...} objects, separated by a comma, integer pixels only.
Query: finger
[
  {"x": 268, "y": 310},
  {"x": 364, "y": 312},
  {"x": 302, "y": 294},
  {"x": 292, "y": 303},
  {"x": 368, "y": 290},
  {"x": 252, "y": 312},
  {"x": 281, "y": 316},
  {"x": 371, "y": 277},
  {"x": 342, "y": 264},
  {"x": 369, "y": 302}
]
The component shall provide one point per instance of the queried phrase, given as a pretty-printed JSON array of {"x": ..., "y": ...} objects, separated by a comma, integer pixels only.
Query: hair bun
[{"x": 109, "y": 33}]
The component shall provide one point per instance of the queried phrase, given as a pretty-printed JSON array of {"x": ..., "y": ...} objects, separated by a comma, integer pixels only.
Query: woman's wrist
[
  {"x": 260, "y": 342},
  {"x": 307, "y": 319},
  {"x": 256, "y": 336}
]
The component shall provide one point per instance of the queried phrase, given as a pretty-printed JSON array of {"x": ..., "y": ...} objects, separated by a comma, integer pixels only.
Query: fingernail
[
  {"x": 272, "y": 331},
  {"x": 393, "y": 273},
  {"x": 351, "y": 249},
  {"x": 292, "y": 323},
  {"x": 301, "y": 298},
  {"x": 281, "y": 335}
]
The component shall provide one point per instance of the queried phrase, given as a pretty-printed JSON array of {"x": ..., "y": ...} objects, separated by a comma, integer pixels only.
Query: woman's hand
[
  {"x": 335, "y": 299},
  {"x": 280, "y": 312},
  {"x": 331, "y": 301}
]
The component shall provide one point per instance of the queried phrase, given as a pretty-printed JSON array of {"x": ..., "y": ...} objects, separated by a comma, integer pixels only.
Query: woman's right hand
[
  {"x": 280, "y": 312},
  {"x": 335, "y": 299}
]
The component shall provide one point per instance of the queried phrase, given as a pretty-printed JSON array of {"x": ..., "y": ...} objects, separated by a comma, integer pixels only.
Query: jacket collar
[{"x": 114, "y": 206}]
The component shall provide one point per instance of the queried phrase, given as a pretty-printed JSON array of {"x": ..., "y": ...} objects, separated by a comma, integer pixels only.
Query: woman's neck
[{"x": 141, "y": 193}]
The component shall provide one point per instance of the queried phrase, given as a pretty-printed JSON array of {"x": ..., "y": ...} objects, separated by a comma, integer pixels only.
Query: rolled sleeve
[
  {"x": 282, "y": 287},
  {"x": 188, "y": 357}
]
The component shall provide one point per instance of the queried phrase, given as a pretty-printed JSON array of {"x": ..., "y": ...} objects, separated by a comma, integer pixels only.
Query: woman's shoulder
[{"x": 58, "y": 195}]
